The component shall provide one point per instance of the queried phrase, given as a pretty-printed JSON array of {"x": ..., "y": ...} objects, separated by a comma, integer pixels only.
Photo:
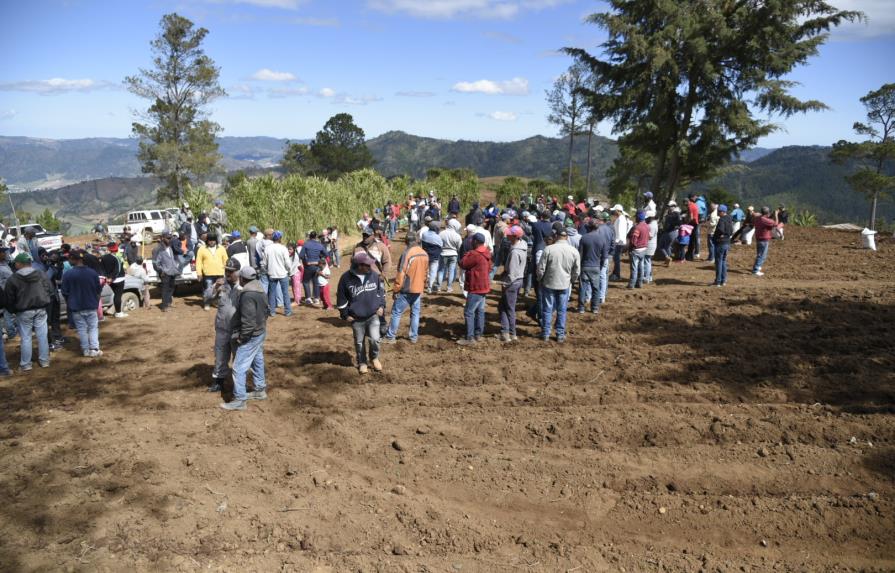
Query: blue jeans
[
  {"x": 617, "y": 261},
  {"x": 276, "y": 287},
  {"x": 636, "y": 268},
  {"x": 604, "y": 280},
  {"x": 402, "y": 302},
  {"x": 558, "y": 300},
  {"x": 721, "y": 250},
  {"x": 507, "y": 307},
  {"x": 590, "y": 288},
  {"x": 9, "y": 323},
  {"x": 474, "y": 313},
  {"x": 33, "y": 321},
  {"x": 447, "y": 269},
  {"x": 392, "y": 228},
  {"x": 207, "y": 289},
  {"x": 433, "y": 276},
  {"x": 648, "y": 268},
  {"x": 761, "y": 254},
  {"x": 249, "y": 355},
  {"x": 4, "y": 365},
  {"x": 364, "y": 329},
  {"x": 711, "y": 243},
  {"x": 87, "y": 324},
  {"x": 336, "y": 256}
]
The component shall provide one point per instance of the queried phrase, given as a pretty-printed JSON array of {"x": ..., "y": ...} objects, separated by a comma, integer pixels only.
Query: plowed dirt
[{"x": 685, "y": 428}]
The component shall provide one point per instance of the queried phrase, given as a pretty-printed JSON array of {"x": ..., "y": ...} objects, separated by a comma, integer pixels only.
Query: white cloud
[
  {"x": 8, "y": 114},
  {"x": 288, "y": 92},
  {"x": 415, "y": 94},
  {"x": 446, "y": 9},
  {"x": 880, "y": 19},
  {"x": 317, "y": 22},
  {"x": 268, "y": 75},
  {"x": 356, "y": 100},
  {"x": 502, "y": 37},
  {"x": 326, "y": 92},
  {"x": 56, "y": 86},
  {"x": 503, "y": 116},
  {"x": 241, "y": 91},
  {"x": 515, "y": 86}
]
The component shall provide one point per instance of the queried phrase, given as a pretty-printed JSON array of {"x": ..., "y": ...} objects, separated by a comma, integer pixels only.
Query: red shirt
[
  {"x": 694, "y": 213},
  {"x": 640, "y": 236},
  {"x": 764, "y": 226},
  {"x": 477, "y": 264}
]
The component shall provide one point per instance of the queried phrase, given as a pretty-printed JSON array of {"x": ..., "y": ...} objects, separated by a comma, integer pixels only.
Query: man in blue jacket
[
  {"x": 606, "y": 232},
  {"x": 593, "y": 253},
  {"x": 313, "y": 255},
  {"x": 81, "y": 289},
  {"x": 361, "y": 301}
]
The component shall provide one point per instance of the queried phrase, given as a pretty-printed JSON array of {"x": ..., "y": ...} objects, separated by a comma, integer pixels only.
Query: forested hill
[
  {"x": 801, "y": 178},
  {"x": 537, "y": 157}
]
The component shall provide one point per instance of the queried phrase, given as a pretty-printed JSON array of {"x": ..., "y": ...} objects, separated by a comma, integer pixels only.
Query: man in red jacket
[
  {"x": 477, "y": 264},
  {"x": 693, "y": 216},
  {"x": 764, "y": 226},
  {"x": 637, "y": 243}
]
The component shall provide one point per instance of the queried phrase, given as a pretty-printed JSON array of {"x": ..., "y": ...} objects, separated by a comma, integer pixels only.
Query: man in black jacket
[
  {"x": 361, "y": 301},
  {"x": 249, "y": 331},
  {"x": 721, "y": 240},
  {"x": 28, "y": 293}
]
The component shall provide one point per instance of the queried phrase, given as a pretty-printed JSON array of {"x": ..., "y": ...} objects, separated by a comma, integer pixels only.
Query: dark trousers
[
  {"x": 309, "y": 282},
  {"x": 507, "y": 306},
  {"x": 117, "y": 292},
  {"x": 167, "y": 290},
  {"x": 693, "y": 247},
  {"x": 54, "y": 318}
]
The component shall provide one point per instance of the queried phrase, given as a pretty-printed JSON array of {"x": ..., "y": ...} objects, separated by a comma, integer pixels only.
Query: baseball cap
[
  {"x": 641, "y": 215},
  {"x": 22, "y": 258},
  {"x": 515, "y": 231},
  {"x": 722, "y": 208},
  {"x": 247, "y": 273},
  {"x": 235, "y": 235},
  {"x": 363, "y": 259},
  {"x": 604, "y": 215},
  {"x": 277, "y": 235},
  {"x": 648, "y": 194},
  {"x": 618, "y": 207},
  {"x": 75, "y": 255},
  {"x": 479, "y": 238},
  {"x": 232, "y": 264},
  {"x": 253, "y": 229}
]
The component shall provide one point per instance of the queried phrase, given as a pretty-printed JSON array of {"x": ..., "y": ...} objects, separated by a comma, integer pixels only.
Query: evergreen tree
[
  {"x": 566, "y": 104},
  {"x": 683, "y": 79},
  {"x": 875, "y": 156},
  {"x": 177, "y": 140},
  {"x": 339, "y": 148}
]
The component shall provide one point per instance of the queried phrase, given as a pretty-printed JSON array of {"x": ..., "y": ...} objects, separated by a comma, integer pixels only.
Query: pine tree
[{"x": 177, "y": 140}]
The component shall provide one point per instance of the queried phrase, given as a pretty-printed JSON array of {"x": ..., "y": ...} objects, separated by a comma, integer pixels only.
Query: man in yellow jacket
[
  {"x": 210, "y": 262},
  {"x": 413, "y": 268}
]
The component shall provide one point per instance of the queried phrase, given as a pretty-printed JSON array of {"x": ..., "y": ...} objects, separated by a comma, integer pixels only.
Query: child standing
[{"x": 323, "y": 280}]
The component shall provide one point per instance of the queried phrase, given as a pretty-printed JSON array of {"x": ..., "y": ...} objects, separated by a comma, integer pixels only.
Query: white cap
[
  {"x": 599, "y": 208},
  {"x": 532, "y": 219},
  {"x": 571, "y": 198},
  {"x": 618, "y": 207}
]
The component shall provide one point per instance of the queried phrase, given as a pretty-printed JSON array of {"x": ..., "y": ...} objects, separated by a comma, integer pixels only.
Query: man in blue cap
[
  {"x": 276, "y": 265},
  {"x": 237, "y": 249}
]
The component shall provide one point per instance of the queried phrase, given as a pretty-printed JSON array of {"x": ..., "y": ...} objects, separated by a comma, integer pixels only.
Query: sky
[{"x": 450, "y": 69}]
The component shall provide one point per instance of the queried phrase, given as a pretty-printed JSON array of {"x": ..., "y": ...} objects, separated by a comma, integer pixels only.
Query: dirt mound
[{"x": 685, "y": 428}]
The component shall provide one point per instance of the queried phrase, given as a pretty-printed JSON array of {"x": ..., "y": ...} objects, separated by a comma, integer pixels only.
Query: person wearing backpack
[{"x": 28, "y": 293}]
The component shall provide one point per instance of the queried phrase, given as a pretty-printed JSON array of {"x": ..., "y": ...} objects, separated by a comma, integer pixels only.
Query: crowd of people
[{"x": 539, "y": 253}]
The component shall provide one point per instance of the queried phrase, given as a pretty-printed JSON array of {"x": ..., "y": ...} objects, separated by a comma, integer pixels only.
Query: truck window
[{"x": 155, "y": 215}]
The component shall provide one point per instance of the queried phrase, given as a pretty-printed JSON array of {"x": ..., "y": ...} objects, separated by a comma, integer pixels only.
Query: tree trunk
[
  {"x": 590, "y": 137},
  {"x": 571, "y": 145},
  {"x": 873, "y": 203}
]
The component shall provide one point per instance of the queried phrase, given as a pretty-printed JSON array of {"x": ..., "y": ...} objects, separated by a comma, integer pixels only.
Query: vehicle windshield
[{"x": 155, "y": 215}]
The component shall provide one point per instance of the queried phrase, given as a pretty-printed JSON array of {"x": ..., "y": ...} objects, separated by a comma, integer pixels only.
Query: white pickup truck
[
  {"x": 49, "y": 241},
  {"x": 144, "y": 225}
]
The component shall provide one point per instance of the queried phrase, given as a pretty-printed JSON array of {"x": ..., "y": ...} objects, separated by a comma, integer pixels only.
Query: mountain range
[{"x": 85, "y": 181}]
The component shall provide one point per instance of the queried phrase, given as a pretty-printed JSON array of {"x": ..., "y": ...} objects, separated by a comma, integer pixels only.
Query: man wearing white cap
[{"x": 621, "y": 225}]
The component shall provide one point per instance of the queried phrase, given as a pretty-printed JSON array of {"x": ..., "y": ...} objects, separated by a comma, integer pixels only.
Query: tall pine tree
[
  {"x": 177, "y": 140},
  {"x": 682, "y": 80}
]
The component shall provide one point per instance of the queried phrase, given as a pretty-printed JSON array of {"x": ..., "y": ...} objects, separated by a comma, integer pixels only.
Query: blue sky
[{"x": 455, "y": 69}]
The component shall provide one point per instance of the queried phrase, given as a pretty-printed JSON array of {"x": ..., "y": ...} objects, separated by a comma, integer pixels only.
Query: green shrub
[{"x": 804, "y": 218}]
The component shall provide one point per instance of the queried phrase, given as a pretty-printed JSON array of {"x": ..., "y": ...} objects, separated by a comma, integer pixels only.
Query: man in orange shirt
[
  {"x": 413, "y": 268},
  {"x": 693, "y": 213}
]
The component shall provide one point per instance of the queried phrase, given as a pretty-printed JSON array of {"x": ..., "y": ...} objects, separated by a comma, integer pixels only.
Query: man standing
[
  {"x": 621, "y": 225},
  {"x": 218, "y": 218},
  {"x": 32, "y": 247},
  {"x": 712, "y": 220},
  {"x": 637, "y": 250},
  {"x": 477, "y": 265},
  {"x": 764, "y": 228},
  {"x": 409, "y": 285},
  {"x": 514, "y": 270},
  {"x": 167, "y": 268},
  {"x": 721, "y": 240},
  {"x": 372, "y": 246},
  {"x": 276, "y": 264},
  {"x": 226, "y": 293},
  {"x": 81, "y": 289},
  {"x": 313, "y": 255},
  {"x": 695, "y": 220},
  {"x": 558, "y": 270},
  {"x": 9, "y": 322},
  {"x": 432, "y": 245},
  {"x": 361, "y": 301},
  {"x": 239, "y": 250},
  {"x": 593, "y": 252},
  {"x": 250, "y": 330},
  {"x": 28, "y": 293},
  {"x": 737, "y": 216},
  {"x": 210, "y": 261},
  {"x": 605, "y": 246},
  {"x": 113, "y": 270},
  {"x": 451, "y": 241}
]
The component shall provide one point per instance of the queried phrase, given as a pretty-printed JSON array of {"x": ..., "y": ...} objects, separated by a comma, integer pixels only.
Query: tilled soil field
[{"x": 685, "y": 428}]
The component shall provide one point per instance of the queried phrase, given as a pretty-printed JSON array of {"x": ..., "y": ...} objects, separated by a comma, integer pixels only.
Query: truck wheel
[{"x": 130, "y": 302}]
